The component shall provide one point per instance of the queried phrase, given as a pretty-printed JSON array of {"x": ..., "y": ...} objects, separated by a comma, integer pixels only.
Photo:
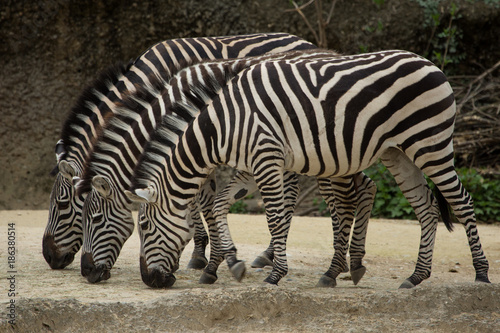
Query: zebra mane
[
  {"x": 127, "y": 111},
  {"x": 173, "y": 124},
  {"x": 157, "y": 151},
  {"x": 82, "y": 113}
]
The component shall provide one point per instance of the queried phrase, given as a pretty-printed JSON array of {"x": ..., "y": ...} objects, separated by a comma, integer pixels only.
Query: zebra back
[
  {"x": 189, "y": 90},
  {"x": 87, "y": 117}
]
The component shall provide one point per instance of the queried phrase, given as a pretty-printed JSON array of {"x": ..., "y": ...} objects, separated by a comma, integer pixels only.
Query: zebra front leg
[
  {"x": 209, "y": 275},
  {"x": 345, "y": 198},
  {"x": 278, "y": 215},
  {"x": 241, "y": 185},
  {"x": 198, "y": 259},
  {"x": 291, "y": 190},
  {"x": 365, "y": 197},
  {"x": 204, "y": 201},
  {"x": 326, "y": 191},
  {"x": 412, "y": 183}
]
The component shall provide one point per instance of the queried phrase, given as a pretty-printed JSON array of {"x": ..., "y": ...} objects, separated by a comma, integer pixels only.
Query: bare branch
[
  {"x": 330, "y": 14},
  {"x": 299, "y": 10}
]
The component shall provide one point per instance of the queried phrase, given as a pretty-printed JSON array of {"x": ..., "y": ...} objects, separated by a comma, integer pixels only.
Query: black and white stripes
[
  {"x": 63, "y": 234},
  {"x": 328, "y": 117}
]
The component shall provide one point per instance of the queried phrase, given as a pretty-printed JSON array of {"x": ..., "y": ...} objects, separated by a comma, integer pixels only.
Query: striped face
[
  {"x": 107, "y": 224},
  {"x": 165, "y": 227},
  {"x": 63, "y": 234}
]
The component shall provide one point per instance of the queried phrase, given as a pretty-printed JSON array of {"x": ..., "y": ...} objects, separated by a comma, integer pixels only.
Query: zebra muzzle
[
  {"x": 156, "y": 277},
  {"x": 93, "y": 273},
  {"x": 56, "y": 258}
]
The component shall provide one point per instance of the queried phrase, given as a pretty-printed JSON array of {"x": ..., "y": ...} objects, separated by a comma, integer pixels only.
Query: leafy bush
[
  {"x": 239, "y": 207},
  {"x": 486, "y": 194},
  {"x": 391, "y": 203}
]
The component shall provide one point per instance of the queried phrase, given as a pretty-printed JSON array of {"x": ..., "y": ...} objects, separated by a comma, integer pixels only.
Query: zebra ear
[
  {"x": 60, "y": 150},
  {"x": 66, "y": 170},
  {"x": 76, "y": 181},
  {"x": 102, "y": 185},
  {"x": 143, "y": 195}
]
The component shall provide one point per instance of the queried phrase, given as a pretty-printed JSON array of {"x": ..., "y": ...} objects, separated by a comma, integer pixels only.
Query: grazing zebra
[
  {"x": 329, "y": 118},
  {"x": 109, "y": 168},
  {"x": 63, "y": 233}
]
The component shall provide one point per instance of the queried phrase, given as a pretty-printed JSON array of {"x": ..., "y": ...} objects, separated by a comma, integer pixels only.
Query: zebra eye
[{"x": 63, "y": 204}]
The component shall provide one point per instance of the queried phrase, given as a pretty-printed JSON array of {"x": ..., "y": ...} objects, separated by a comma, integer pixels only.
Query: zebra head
[
  {"x": 164, "y": 234},
  {"x": 107, "y": 224},
  {"x": 63, "y": 234}
]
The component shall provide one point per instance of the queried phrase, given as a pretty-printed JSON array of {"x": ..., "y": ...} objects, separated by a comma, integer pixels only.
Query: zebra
[
  {"x": 329, "y": 118},
  {"x": 107, "y": 212},
  {"x": 63, "y": 234}
]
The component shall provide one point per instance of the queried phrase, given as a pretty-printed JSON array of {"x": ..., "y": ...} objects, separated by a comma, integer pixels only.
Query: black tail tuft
[{"x": 444, "y": 208}]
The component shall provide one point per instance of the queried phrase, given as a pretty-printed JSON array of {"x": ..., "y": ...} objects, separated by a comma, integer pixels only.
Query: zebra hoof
[
  {"x": 197, "y": 263},
  {"x": 326, "y": 282},
  {"x": 207, "y": 278},
  {"x": 261, "y": 262},
  {"x": 357, "y": 274},
  {"x": 270, "y": 281},
  {"x": 482, "y": 278},
  {"x": 406, "y": 285},
  {"x": 238, "y": 270}
]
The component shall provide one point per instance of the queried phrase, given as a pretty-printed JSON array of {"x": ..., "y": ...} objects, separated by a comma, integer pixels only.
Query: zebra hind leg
[
  {"x": 412, "y": 183},
  {"x": 462, "y": 205}
]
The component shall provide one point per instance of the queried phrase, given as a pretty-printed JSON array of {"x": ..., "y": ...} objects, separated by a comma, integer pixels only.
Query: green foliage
[
  {"x": 485, "y": 192},
  {"x": 239, "y": 207},
  {"x": 363, "y": 48},
  {"x": 391, "y": 203},
  {"x": 389, "y": 200},
  {"x": 444, "y": 44},
  {"x": 378, "y": 3}
]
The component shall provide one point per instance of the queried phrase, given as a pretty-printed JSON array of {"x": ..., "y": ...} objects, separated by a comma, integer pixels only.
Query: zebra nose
[
  {"x": 156, "y": 277},
  {"x": 94, "y": 273},
  {"x": 53, "y": 256}
]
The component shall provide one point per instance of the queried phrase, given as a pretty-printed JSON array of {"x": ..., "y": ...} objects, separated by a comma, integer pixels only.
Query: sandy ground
[{"x": 63, "y": 301}]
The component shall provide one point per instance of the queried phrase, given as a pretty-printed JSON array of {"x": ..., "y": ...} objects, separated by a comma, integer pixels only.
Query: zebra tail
[{"x": 444, "y": 208}]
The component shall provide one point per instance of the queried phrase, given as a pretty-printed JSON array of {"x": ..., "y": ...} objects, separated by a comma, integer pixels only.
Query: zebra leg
[
  {"x": 205, "y": 201},
  {"x": 326, "y": 191},
  {"x": 446, "y": 180},
  {"x": 270, "y": 183},
  {"x": 241, "y": 185},
  {"x": 209, "y": 274},
  {"x": 291, "y": 188},
  {"x": 345, "y": 199},
  {"x": 412, "y": 183},
  {"x": 198, "y": 259},
  {"x": 365, "y": 197}
]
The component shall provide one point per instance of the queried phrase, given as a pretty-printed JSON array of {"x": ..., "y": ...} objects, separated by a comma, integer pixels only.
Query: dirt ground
[{"x": 63, "y": 301}]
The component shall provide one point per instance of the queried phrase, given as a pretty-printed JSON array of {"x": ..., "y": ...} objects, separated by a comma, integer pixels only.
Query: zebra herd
[{"x": 271, "y": 106}]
